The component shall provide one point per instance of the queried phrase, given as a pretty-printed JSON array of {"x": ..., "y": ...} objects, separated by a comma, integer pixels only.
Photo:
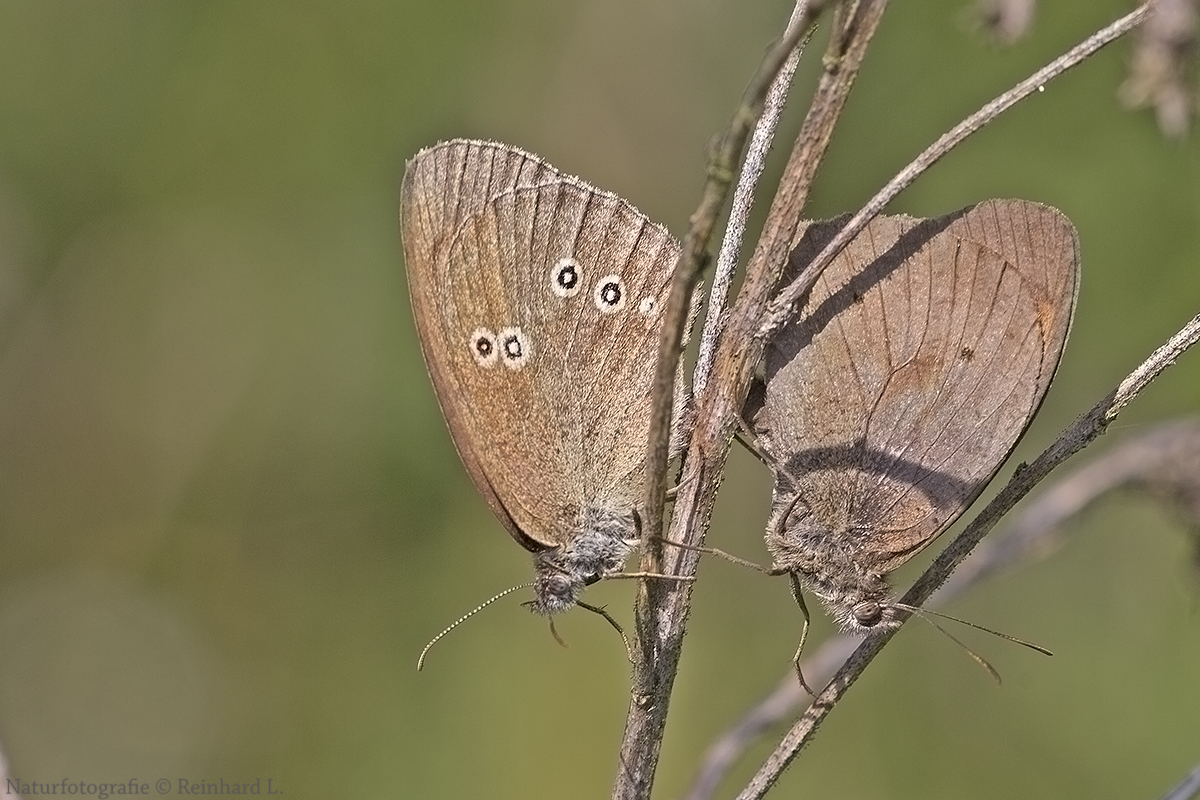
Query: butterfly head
[
  {"x": 858, "y": 599},
  {"x": 869, "y": 616},
  {"x": 598, "y": 548}
]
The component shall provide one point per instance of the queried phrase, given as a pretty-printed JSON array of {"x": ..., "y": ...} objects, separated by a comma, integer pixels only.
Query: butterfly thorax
[{"x": 598, "y": 548}]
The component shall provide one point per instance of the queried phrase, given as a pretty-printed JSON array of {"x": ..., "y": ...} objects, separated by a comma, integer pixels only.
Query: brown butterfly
[
  {"x": 538, "y": 301},
  {"x": 911, "y": 371}
]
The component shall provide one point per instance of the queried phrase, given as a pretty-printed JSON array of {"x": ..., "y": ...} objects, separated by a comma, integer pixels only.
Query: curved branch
[
  {"x": 782, "y": 308},
  {"x": 662, "y": 608}
]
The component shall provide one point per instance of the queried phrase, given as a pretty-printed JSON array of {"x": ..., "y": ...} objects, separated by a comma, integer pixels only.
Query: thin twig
[
  {"x": 1083, "y": 431},
  {"x": 693, "y": 256},
  {"x": 781, "y": 309},
  {"x": 1164, "y": 461},
  {"x": 662, "y": 609},
  {"x": 743, "y": 202}
]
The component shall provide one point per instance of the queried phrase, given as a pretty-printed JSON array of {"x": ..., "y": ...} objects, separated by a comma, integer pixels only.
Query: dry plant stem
[
  {"x": 662, "y": 612},
  {"x": 782, "y": 307},
  {"x": 1188, "y": 788},
  {"x": 723, "y": 160},
  {"x": 743, "y": 202},
  {"x": 662, "y": 609},
  {"x": 1165, "y": 461},
  {"x": 1083, "y": 431}
]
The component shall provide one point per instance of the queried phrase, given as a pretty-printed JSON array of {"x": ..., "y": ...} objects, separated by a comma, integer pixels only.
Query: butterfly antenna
[
  {"x": 928, "y": 615},
  {"x": 978, "y": 659},
  {"x": 464, "y": 618},
  {"x": 926, "y": 612}
]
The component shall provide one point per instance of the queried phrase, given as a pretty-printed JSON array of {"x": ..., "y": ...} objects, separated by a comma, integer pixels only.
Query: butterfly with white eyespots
[{"x": 537, "y": 301}]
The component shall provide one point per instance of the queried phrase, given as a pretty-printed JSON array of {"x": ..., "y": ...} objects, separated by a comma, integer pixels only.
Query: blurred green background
[{"x": 230, "y": 512}]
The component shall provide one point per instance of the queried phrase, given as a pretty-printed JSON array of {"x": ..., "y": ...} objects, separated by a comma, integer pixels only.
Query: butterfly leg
[
  {"x": 616, "y": 626},
  {"x": 748, "y": 440},
  {"x": 554, "y": 633},
  {"x": 744, "y": 430},
  {"x": 659, "y": 575},
  {"x": 673, "y": 491},
  {"x": 796, "y": 593},
  {"x": 712, "y": 551}
]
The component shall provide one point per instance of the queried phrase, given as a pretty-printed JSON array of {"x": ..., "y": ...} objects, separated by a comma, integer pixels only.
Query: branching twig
[
  {"x": 743, "y": 201},
  {"x": 1164, "y": 461},
  {"x": 782, "y": 307},
  {"x": 692, "y": 258},
  {"x": 662, "y": 608},
  {"x": 1081, "y": 432}
]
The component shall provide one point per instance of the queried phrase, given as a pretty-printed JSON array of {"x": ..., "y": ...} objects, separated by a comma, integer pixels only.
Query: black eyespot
[
  {"x": 610, "y": 294},
  {"x": 966, "y": 354},
  {"x": 483, "y": 347},
  {"x": 514, "y": 347},
  {"x": 565, "y": 277}
]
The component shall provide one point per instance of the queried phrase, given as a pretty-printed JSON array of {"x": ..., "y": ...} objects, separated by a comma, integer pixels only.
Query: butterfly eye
[
  {"x": 565, "y": 279},
  {"x": 514, "y": 347},
  {"x": 610, "y": 294},
  {"x": 483, "y": 347},
  {"x": 556, "y": 592},
  {"x": 868, "y": 614}
]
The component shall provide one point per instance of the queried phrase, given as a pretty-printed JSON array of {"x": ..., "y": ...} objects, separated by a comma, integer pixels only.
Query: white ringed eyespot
[
  {"x": 609, "y": 294},
  {"x": 483, "y": 347},
  {"x": 513, "y": 347},
  {"x": 566, "y": 278}
]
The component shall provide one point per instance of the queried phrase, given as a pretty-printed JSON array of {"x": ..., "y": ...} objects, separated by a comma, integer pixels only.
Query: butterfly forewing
[{"x": 568, "y": 282}]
